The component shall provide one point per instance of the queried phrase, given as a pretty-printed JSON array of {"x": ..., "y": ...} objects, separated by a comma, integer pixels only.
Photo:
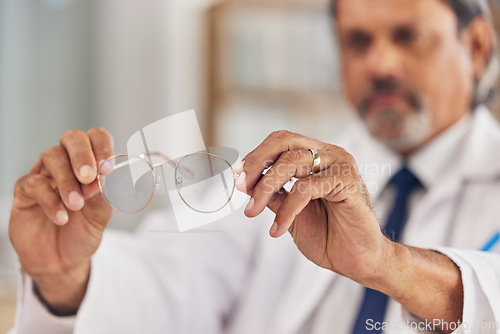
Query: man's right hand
[{"x": 58, "y": 217}]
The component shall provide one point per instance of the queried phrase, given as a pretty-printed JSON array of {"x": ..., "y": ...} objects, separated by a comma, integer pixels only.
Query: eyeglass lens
[
  {"x": 127, "y": 183},
  {"x": 205, "y": 182}
]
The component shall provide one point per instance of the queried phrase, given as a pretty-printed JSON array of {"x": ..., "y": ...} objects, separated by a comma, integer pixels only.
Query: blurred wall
[
  {"x": 74, "y": 64},
  {"x": 44, "y": 79}
]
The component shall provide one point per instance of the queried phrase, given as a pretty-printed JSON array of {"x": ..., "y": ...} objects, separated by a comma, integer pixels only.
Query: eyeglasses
[{"x": 204, "y": 181}]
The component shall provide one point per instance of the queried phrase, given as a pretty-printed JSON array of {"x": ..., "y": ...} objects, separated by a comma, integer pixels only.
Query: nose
[{"x": 384, "y": 60}]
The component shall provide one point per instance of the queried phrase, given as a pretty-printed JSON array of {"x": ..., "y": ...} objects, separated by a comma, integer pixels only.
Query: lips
[{"x": 386, "y": 99}]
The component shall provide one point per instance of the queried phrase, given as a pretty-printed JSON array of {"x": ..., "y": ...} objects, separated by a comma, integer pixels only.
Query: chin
[{"x": 402, "y": 132}]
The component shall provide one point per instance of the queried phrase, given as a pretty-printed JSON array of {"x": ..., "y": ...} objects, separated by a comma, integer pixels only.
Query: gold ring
[{"x": 316, "y": 161}]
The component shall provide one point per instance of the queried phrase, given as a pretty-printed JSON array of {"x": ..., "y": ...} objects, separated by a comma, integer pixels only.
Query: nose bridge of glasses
[
  {"x": 181, "y": 169},
  {"x": 157, "y": 176},
  {"x": 167, "y": 162},
  {"x": 166, "y": 159},
  {"x": 178, "y": 181},
  {"x": 161, "y": 165}
]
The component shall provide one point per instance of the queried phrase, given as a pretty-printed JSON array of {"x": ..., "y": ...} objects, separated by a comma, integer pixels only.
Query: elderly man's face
[{"x": 405, "y": 68}]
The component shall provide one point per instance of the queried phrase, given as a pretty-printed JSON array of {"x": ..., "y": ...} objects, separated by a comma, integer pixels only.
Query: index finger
[
  {"x": 79, "y": 149},
  {"x": 269, "y": 151},
  {"x": 102, "y": 144}
]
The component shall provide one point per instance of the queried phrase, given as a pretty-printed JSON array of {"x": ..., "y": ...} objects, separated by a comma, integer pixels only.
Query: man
[{"x": 412, "y": 68}]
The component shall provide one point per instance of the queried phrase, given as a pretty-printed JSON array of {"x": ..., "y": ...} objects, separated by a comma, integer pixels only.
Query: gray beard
[{"x": 412, "y": 129}]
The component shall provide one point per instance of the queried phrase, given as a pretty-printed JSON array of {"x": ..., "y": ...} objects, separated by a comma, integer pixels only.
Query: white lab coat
[{"x": 233, "y": 278}]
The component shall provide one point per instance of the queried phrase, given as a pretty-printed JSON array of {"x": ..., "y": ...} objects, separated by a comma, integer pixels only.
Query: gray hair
[{"x": 466, "y": 11}]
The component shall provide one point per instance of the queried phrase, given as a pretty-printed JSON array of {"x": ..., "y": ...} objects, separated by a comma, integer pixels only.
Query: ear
[{"x": 481, "y": 41}]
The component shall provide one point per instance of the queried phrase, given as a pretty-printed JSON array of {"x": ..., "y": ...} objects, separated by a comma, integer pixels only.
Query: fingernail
[
  {"x": 75, "y": 199},
  {"x": 273, "y": 229},
  {"x": 86, "y": 171},
  {"x": 62, "y": 217},
  {"x": 250, "y": 204},
  {"x": 238, "y": 169},
  {"x": 240, "y": 183}
]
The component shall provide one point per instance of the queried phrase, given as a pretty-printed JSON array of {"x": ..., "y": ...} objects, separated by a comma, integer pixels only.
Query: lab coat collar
[{"x": 480, "y": 156}]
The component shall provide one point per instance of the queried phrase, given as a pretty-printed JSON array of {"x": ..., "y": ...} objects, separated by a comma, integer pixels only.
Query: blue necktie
[{"x": 374, "y": 302}]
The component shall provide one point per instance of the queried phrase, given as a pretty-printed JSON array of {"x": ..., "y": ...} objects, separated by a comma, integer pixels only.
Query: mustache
[{"x": 385, "y": 86}]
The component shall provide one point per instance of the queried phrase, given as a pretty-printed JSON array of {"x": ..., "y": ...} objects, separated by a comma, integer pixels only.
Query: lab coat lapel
[
  {"x": 308, "y": 286},
  {"x": 481, "y": 156},
  {"x": 433, "y": 215},
  {"x": 481, "y": 175},
  {"x": 477, "y": 161}
]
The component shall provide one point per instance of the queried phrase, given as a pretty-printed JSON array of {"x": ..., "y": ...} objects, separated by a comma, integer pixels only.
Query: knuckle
[
  {"x": 34, "y": 181},
  {"x": 328, "y": 146},
  {"x": 281, "y": 134},
  {"x": 20, "y": 183},
  {"x": 71, "y": 135},
  {"x": 52, "y": 152},
  {"x": 100, "y": 131},
  {"x": 101, "y": 134},
  {"x": 290, "y": 156},
  {"x": 346, "y": 159},
  {"x": 339, "y": 150},
  {"x": 345, "y": 156},
  {"x": 349, "y": 158},
  {"x": 356, "y": 174},
  {"x": 351, "y": 170},
  {"x": 250, "y": 160}
]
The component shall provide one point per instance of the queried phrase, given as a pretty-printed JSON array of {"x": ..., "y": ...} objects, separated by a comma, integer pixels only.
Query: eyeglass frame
[{"x": 169, "y": 163}]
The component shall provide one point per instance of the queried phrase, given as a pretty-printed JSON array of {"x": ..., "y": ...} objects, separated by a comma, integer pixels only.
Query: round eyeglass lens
[
  {"x": 127, "y": 183},
  {"x": 205, "y": 182}
]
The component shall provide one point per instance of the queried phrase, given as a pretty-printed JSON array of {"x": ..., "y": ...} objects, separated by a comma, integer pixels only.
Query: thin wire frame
[
  {"x": 170, "y": 163},
  {"x": 235, "y": 176},
  {"x": 101, "y": 181}
]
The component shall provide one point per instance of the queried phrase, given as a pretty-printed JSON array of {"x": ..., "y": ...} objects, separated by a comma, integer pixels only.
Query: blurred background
[{"x": 248, "y": 67}]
